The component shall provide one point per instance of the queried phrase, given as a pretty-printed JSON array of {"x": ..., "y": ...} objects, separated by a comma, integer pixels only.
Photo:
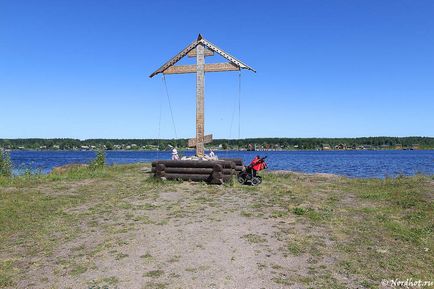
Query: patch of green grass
[
  {"x": 35, "y": 221},
  {"x": 104, "y": 283},
  {"x": 407, "y": 233},
  {"x": 295, "y": 248},
  {"x": 299, "y": 211},
  {"x": 394, "y": 221},
  {"x": 254, "y": 238},
  {"x": 78, "y": 269},
  {"x": 279, "y": 214},
  {"x": 257, "y": 205},
  {"x": 120, "y": 256},
  {"x": 113, "y": 280},
  {"x": 319, "y": 214},
  {"x": 153, "y": 285},
  {"x": 246, "y": 214},
  {"x": 7, "y": 273},
  {"x": 360, "y": 215},
  {"x": 276, "y": 267},
  {"x": 153, "y": 273},
  {"x": 146, "y": 206},
  {"x": 203, "y": 200},
  {"x": 125, "y": 205}
]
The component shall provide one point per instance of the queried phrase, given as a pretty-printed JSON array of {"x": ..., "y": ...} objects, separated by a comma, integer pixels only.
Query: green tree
[
  {"x": 109, "y": 146},
  {"x": 161, "y": 147}
]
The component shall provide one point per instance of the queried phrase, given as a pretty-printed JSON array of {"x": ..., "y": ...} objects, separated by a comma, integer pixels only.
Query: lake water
[{"x": 364, "y": 164}]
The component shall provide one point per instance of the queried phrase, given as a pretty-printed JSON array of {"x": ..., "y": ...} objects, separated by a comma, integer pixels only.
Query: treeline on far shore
[{"x": 242, "y": 144}]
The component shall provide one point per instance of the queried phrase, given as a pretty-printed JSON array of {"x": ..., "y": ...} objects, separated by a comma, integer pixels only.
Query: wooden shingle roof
[{"x": 201, "y": 41}]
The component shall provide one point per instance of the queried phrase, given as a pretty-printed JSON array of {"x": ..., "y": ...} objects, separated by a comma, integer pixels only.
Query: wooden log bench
[
  {"x": 239, "y": 166},
  {"x": 213, "y": 172}
]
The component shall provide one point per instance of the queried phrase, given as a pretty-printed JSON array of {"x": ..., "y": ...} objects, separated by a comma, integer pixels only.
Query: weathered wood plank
[
  {"x": 189, "y": 177},
  {"x": 203, "y": 171},
  {"x": 206, "y": 139},
  {"x": 237, "y": 161},
  {"x": 198, "y": 177},
  {"x": 206, "y": 53},
  {"x": 210, "y": 67},
  {"x": 200, "y": 109},
  {"x": 194, "y": 164}
]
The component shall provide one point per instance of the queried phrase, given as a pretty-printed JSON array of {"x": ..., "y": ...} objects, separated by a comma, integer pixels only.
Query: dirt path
[{"x": 180, "y": 237}]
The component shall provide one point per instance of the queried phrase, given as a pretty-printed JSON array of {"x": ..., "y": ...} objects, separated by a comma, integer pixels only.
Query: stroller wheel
[
  {"x": 255, "y": 181},
  {"x": 241, "y": 180}
]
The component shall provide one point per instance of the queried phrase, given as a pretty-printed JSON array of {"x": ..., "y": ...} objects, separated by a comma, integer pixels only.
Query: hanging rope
[
  {"x": 230, "y": 128},
  {"x": 233, "y": 113},
  {"x": 170, "y": 105},
  {"x": 239, "y": 105},
  {"x": 159, "y": 128},
  {"x": 232, "y": 119}
]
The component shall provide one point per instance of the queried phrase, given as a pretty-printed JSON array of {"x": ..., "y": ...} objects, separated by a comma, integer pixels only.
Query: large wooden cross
[{"x": 200, "y": 48}]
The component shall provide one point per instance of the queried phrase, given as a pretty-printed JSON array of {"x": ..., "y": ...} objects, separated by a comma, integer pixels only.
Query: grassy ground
[{"x": 119, "y": 228}]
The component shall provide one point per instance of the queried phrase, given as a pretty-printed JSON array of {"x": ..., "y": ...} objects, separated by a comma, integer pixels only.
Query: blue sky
[{"x": 324, "y": 68}]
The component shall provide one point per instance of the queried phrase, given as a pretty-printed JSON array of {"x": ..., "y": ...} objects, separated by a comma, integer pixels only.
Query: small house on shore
[
  {"x": 341, "y": 147},
  {"x": 326, "y": 147}
]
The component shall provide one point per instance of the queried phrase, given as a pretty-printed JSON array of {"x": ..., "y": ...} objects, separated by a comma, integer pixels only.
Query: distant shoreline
[
  {"x": 217, "y": 150},
  {"x": 252, "y": 144}
]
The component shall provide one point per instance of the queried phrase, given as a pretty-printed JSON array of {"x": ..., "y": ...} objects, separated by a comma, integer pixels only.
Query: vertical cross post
[{"x": 200, "y": 120}]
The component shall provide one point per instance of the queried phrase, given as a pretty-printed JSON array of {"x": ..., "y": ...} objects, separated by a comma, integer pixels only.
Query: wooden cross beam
[
  {"x": 206, "y": 53},
  {"x": 206, "y": 139},
  {"x": 212, "y": 67},
  {"x": 200, "y": 49}
]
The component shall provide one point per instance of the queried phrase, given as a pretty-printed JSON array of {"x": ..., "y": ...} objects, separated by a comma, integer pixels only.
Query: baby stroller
[{"x": 248, "y": 176}]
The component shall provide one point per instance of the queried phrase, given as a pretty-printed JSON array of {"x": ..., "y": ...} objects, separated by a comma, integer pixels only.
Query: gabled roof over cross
[{"x": 234, "y": 64}]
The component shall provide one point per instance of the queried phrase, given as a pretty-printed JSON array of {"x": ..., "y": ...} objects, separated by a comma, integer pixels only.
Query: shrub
[
  {"x": 99, "y": 161},
  {"x": 5, "y": 164},
  {"x": 299, "y": 211}
]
